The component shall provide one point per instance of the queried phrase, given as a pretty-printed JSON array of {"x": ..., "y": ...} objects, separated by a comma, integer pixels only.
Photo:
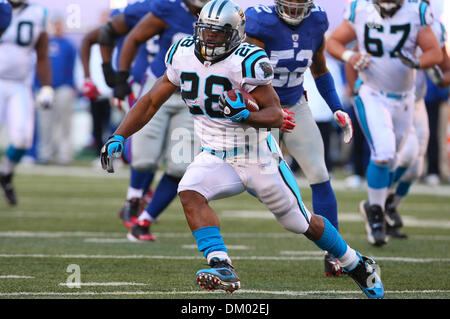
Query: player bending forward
[{"x": 233, "y": 159}]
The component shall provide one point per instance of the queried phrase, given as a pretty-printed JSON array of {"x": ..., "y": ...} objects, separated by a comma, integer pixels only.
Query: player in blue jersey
[
  {"x": 170, "y": 20},
  {"x": 111, "y": 37},
  {"x": 205, "y": 67},
  {"x": 5, "y": 15},
  {"x": 298, "y": 44}
]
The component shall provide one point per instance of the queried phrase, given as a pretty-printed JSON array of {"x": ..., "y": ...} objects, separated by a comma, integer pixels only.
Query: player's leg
[
  {"x": 64, "y": 99},
  {"x": 305, "y": 144},
  {"x": 278, "y": 190},
  {"x": 19, "y": 116},
  {"x": 179, "y": 153},
  {"x": 404, "y": 181},
  {"x": 374, "y": 115},
  {"x": 209, "y": 178},
  {"x": 147, "y": 147}
]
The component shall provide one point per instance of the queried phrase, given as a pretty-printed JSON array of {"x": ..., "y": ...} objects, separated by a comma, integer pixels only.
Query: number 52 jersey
[
  {"x": 19, "y": 40},
  {"x": 382, "y": 37},
  {"x": 203, "y": 82}
]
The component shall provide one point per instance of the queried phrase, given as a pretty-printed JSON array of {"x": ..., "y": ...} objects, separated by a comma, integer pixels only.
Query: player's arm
[
  {"x": 45, "y": 96},
  {"x": 336, "y": 47},
  {"x": 139, "y": 115},
  {"x": 87, "y": 42},
  {"x": 270, "y": 114},
  {"x": 432, "y": 52},
  {"x": 148, "y": 27},
  {"x": 445, "y": 68},
  {"x": 327, "y": 89}
]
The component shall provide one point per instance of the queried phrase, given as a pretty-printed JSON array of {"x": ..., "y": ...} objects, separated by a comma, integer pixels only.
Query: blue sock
[
  {"x": 397, "y": 174},
  {"x": 165, "y": 192},
  {"x": 15, "y": 154},
  {"x": 209, "y": 239},
  {"x": 139, "y": 179},
  {"x": 331, "y": 241},
  {"x": 403, "y": 188},
  {"x": 324, "y": 202},
  {"x": 378, "y": 176}
]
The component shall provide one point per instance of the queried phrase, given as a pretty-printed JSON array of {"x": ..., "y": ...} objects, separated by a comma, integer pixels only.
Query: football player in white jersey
[
  {"x": 26, "y": 34},
  {"x": 238, "y": 152},
  {"x": 388, "y": 32},
  {"x": 410, "y": 160}
]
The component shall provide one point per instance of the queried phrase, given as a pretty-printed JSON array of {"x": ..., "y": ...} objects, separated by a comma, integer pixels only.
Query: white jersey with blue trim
[
  {"x": 203, "y": 82},
  {"x": 421, "y": 79},
  {"x": 19, "y": 40},
  {"x": 382, "y": 37}
]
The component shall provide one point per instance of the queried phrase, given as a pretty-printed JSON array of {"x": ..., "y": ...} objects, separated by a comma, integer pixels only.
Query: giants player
[
  {"x": 299, "y": 44},
  {"x": 388, "y": 32},
  {"x": 238, "y": 152}
]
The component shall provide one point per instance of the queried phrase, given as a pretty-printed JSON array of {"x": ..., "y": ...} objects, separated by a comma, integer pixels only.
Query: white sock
[
  {"x": 7, "y": 166},
  {"x": 350, "y": 259},
  {"x": 377, "y": 196},
  {"x": 219, "y": 254},
  {"x": 134, "y": 193},
  {"x": 145, "y": 216}
]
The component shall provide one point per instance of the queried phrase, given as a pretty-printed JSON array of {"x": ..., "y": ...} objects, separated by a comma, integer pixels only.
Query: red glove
[
  {"x": 288, "y": 121},
  {"x": 89, "y": 90}
]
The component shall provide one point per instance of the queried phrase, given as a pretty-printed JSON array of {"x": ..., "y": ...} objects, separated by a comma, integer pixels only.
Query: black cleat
[
  {"x": 8, "y": 189},
  {"x": 129, "y": 212},
  {"x": 375, "y": 224},
  {"x": 367, "y": 275},
  {"x": 391, "y": 214},
  {"x": 394, "y": 232},
  {"x": 332, "y": 266},
  {"x": 141, "y": 231}
]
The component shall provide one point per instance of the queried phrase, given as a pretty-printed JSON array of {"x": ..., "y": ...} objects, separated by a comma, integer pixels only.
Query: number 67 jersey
[
  {"x": 382, "y": 37},
  {"x": 19, "y": 40},
  {"x": 202, "y": 82}
]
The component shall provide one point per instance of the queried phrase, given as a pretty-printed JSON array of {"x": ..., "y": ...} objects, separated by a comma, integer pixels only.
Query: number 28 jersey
[
  {"x": 19, "y": 40},
  {"x": 382, "y": 37},
  {"x": 202, "y": 83}
]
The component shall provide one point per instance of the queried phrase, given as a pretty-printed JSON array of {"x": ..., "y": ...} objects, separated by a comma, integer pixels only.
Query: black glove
[
  {"x": 122, "y": 88},
  {"x": 109, "y": 74}
]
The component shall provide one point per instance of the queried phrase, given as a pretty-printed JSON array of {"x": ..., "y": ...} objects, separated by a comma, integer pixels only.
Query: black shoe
[
  {"x": 8, "y": 189},
  {"x": 392, "y": 217},
  {"x": 332, "y": 266},
  {"x": 375, "y": 224},
  {"x": 129, "y": 212},
  {"x": 367, "y": 275},
  {"x": 394, "y": 232},
  {"x": 140, "y": 231}
]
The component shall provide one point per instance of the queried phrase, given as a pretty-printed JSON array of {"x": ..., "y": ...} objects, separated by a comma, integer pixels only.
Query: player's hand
[
  {"x": 234, "y": 110},
  {"x": 109, "y": 74},
  {"x": 112, "y": 149},
  {"x": 45, "y": 97},
  {"x": 435, "y": 74},
  {"x": 288, "y": 121},
  {"x": 122, "y": 88},
  {"x": 345, "y": 123},
  {"x": 89, "y": 89},
  {"x": 360, "y": 61},
  {"x": 410, "y": 62}
]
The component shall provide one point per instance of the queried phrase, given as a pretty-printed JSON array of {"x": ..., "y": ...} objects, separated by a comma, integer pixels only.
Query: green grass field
[{"x": 71, "y": 218}]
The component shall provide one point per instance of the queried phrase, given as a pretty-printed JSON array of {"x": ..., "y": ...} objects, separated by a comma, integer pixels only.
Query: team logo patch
[
  {"x": 295, "y": 37},
  {"x": 267, "y": 69}
]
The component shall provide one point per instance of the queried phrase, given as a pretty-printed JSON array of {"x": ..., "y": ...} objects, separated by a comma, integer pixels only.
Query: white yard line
[
  {"x": 103, "y": 284},
  {"x": 15, "y": 277},
  {"x": 239, "y": 292},
  {"x": 259, "y": 258}
]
